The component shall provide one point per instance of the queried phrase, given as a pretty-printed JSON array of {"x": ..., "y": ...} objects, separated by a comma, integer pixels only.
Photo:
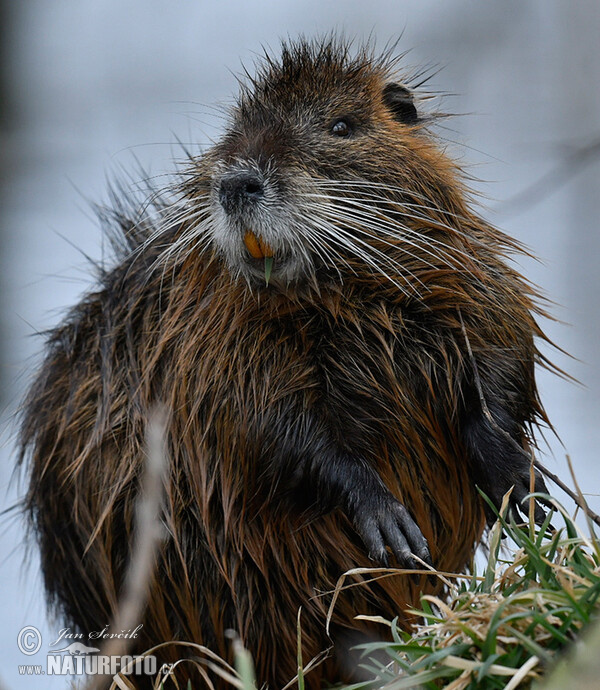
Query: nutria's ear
[{"x": 400, "y": 101}]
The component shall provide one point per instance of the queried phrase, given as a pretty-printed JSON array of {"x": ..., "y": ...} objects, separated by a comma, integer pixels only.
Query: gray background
[{"x": 95, "y": 84}]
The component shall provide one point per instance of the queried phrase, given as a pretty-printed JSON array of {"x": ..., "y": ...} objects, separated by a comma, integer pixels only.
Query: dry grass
[{"x": 506, "y": 627}]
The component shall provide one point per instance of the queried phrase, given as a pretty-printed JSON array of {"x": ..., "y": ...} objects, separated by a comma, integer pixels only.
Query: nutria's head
[{"x": 325, "y": 172}]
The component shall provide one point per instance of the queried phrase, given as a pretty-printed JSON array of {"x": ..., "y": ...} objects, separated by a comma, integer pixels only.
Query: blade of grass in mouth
[{"x": 268, "y": 268}]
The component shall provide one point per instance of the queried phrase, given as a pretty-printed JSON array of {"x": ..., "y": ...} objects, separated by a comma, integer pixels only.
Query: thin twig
[
  {"x": 579, "y": 501},
  {"x": 577, "y": 497},
  {"x": 551, "y": 181},
  {"x": 147, "y": 534},
  {"x": 484, "y": 406}
]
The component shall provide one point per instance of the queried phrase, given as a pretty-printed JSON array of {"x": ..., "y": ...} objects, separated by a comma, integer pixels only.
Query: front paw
[
  {"x": 520, "y": 482},
  {"x": 381, "y": 522}
]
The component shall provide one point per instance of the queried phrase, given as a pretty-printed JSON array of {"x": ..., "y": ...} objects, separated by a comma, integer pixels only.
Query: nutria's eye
[{"x": 341, "y": 129}]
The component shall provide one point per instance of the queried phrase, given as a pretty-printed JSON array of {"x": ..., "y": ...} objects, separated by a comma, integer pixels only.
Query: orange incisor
[{"x": 259, "y": 249}]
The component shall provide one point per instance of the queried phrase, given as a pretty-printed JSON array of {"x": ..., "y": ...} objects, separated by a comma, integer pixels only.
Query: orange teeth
[{"x": 257, "y": 247}]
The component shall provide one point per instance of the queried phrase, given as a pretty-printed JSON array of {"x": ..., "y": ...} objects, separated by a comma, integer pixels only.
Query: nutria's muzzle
[{"x": 256, "y": 229}]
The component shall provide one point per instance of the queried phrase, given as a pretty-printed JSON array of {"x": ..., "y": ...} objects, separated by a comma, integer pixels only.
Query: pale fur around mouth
[{"x": 290, "y": 263}]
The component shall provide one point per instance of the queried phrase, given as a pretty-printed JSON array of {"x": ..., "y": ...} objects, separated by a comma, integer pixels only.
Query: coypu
[{"x": 345, "y": 354}]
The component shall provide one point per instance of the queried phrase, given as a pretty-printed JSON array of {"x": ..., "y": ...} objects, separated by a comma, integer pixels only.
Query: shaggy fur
[{"x": 389, "y": 363}]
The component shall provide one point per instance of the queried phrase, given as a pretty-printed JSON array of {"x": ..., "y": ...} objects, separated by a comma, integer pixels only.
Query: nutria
[{"x": 345, "y": 354}]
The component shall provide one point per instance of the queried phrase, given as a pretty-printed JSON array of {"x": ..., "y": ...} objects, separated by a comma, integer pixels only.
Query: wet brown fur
[{"x": 386, "y": 372}]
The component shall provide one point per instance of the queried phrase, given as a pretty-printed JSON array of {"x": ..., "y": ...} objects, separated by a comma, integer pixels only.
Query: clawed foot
[
  {"x": 384, "y": 522},
  {"x": 521, "y": 487}
]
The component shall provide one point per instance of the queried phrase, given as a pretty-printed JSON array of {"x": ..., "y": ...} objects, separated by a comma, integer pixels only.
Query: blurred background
[{"x": 91, "y": 88}]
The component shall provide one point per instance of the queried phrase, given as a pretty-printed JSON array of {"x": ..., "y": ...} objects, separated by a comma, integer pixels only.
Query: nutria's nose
[{"x": 239, "y": 190}]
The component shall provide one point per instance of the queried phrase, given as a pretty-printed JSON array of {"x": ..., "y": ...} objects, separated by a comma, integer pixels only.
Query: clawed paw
[
  {"x": 385, "y": 522},
  {"x": 521, "y": 487}
]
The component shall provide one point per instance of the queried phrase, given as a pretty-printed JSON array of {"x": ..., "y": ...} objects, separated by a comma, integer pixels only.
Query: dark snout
[{"x": 240, "y": 191}]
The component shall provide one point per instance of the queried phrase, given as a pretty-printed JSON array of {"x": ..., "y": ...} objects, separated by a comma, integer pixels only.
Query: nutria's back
[{"x": 344, "y": 353}]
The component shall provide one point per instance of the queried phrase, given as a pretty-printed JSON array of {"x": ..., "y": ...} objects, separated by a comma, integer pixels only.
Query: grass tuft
[{"x": 506, "y": 627}]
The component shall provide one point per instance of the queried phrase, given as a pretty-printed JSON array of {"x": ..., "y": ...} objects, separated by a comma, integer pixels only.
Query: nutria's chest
[{"x": 368, "y": 367}]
